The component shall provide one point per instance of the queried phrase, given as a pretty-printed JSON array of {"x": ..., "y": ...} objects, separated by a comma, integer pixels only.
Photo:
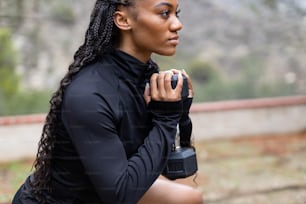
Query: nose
[{"x": 176, "y": 24}]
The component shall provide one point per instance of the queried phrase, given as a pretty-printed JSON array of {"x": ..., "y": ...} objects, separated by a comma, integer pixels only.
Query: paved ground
[{"x": 256, "y": 170}]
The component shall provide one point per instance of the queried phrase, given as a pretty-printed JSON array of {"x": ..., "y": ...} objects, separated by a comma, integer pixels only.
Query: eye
[
  {"x": 165, "y": 13},
  {"x": 177, "y": 13}
]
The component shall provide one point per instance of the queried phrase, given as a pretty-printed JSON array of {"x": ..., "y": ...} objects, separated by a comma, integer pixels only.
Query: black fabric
[
  {"x": 22, "y": 195},
  {"x": 110, "y": 147},
  {"x": 185, "y": 131},
  {"x": 16, "y": 199},
  {"x": 186, "y": 108},
  {"x": 185, "y": 124}
]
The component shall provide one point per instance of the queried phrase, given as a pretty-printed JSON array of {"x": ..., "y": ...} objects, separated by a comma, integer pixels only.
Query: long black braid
[{"x": 101, "y": 37}]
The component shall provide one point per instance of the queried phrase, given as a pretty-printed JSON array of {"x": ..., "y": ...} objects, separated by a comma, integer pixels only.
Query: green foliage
[
  {"x": 12, "y": 99},
  {"x": 209, "y": 85},
  {"x": 28, "y": 102},
  {"x": 9, "y": 80},
  {"x": 202, "y": 71},
  {"x": 7, "y": 52}
]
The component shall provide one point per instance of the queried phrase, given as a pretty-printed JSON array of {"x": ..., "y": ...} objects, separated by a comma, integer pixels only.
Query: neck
[{"x": 130, "y": 49}]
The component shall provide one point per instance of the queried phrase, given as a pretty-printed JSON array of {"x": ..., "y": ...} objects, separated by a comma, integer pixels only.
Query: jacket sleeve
[{"x": 91, "y": 125}]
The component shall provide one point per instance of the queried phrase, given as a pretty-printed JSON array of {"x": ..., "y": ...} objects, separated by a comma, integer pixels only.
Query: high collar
[{"x": 132, "y": 69}]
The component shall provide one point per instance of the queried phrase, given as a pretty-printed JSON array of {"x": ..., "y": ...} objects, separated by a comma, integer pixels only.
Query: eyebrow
[{"x": 164, "y": 4}]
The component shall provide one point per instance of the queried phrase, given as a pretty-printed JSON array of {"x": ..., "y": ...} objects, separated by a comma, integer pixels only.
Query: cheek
[
  {"x": 147, "y": 39},
  {"x": 151, "y": 28},
  {"x": 154, "y": 37}
]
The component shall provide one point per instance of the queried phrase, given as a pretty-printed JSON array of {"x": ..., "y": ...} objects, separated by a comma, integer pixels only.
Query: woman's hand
[
  {"x": 190, "y": 88},
  {"x": 160, "y": 88}
]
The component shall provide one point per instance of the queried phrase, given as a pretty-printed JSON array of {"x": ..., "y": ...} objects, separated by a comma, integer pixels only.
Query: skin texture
[
  {"x": 150, "y": 26},
  {"x": 168, "y": 192}
]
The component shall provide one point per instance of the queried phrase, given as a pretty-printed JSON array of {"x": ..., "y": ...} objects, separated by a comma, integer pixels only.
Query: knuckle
[{"x": 168, "y": 80}]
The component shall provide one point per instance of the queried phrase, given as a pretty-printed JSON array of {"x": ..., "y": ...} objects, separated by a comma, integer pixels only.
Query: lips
[{"x": 174, "y": 40}]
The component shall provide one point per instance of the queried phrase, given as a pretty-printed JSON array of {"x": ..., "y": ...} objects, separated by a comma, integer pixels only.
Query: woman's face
[{"x": 154, "y": 27}]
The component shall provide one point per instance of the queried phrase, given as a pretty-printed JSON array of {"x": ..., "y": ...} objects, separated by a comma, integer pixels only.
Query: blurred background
[{"x": 232, "y": 49}]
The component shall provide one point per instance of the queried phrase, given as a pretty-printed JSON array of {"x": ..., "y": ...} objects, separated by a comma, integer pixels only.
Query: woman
[{"x": 108, "y": 134}]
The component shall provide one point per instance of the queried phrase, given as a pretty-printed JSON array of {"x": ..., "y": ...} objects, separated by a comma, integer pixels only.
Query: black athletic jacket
[{"x": 111, "y": 147}]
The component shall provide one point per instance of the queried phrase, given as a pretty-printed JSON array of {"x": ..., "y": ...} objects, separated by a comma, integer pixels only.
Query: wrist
[{"x": 165, "y": 107}]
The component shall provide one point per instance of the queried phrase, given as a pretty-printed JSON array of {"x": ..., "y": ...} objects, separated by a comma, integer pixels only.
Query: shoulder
[
  {"x": 96, "y": 77},
  {"x": 93, "y": 86}
]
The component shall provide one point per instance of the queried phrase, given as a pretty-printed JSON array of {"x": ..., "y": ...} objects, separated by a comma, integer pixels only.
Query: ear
[{"x": 121, "y": 20}]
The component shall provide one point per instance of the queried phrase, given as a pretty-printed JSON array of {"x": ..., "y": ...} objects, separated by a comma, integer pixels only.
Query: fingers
[
  {"x": 153, "y": 86},
  {"x": 190, "y": 88},
  {"x": 161, "y": 89},
  {"x": 161, "y": 84},
  {"x": 167, "y": 78}
]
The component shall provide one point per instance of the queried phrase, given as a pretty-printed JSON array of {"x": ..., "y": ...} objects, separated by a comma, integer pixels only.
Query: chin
[{"x": 167, "y": 53}]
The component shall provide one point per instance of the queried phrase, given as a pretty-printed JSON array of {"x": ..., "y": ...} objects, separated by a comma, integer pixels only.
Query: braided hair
[{"x": 101, "y": 37}]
